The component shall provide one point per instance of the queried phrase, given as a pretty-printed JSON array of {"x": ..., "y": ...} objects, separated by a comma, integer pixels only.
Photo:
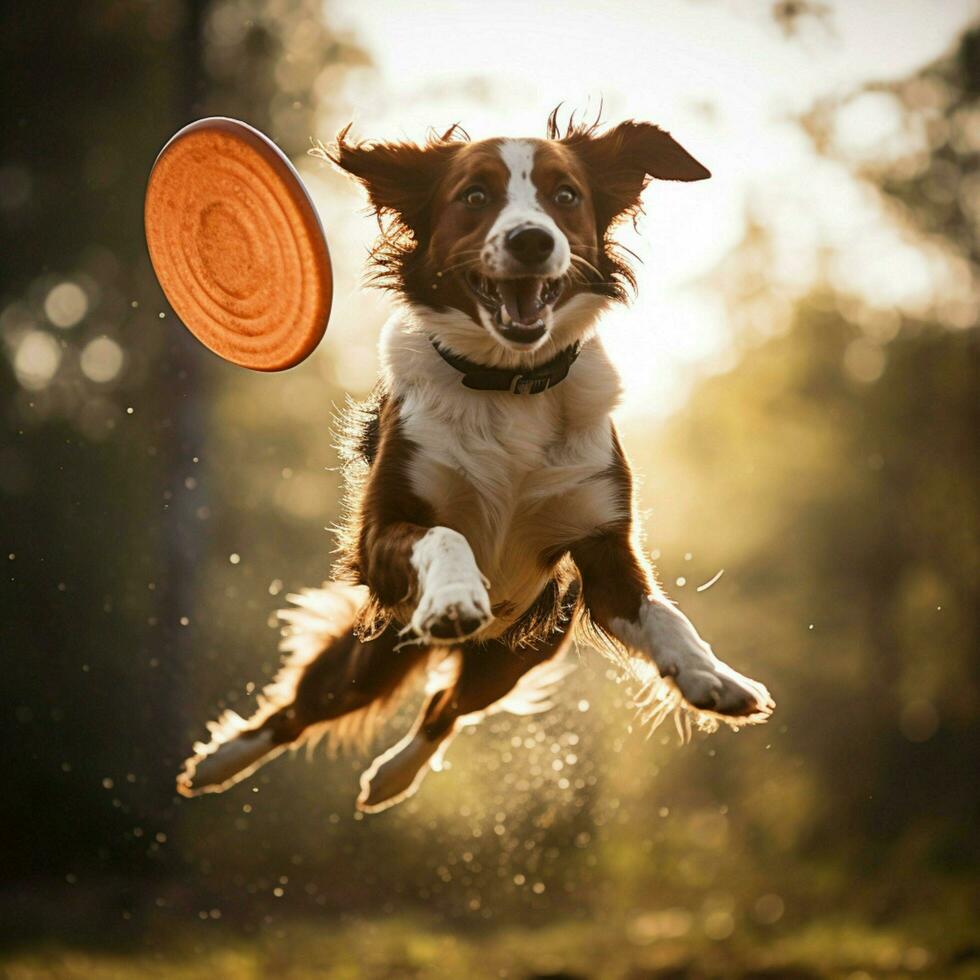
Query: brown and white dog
[{"x": 491, "y": 508}]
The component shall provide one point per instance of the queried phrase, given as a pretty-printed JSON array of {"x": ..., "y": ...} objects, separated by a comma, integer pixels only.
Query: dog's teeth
[{"x": 505, "y": 316}]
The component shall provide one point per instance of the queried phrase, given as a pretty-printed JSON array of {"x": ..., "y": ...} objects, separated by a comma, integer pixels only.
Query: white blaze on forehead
[{"x": 522, "y": 193}]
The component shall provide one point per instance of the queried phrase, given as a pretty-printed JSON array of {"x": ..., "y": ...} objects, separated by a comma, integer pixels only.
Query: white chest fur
[{"x": 517, "y": 475}]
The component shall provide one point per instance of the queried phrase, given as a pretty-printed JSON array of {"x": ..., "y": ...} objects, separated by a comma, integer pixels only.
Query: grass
[{"x": 407, "y": 948}]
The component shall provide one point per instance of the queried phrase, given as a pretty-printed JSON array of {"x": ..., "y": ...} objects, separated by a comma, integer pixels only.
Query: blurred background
[{"x": 801, "y": 369}]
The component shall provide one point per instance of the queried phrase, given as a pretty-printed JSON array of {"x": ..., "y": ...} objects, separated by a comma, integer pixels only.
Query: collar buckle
[{"x": 529, "y": 384}]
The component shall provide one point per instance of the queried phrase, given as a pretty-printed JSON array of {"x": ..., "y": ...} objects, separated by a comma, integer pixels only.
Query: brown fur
[
  {"x": 390, "y": 517},
  {"x": 349, "y": 675},
  {"x": 488, "y": 672},
  {"x": 615, "y": 576}
]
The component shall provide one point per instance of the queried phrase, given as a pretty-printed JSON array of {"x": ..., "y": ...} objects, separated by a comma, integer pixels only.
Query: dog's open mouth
[{"x": 518, "y": 306}]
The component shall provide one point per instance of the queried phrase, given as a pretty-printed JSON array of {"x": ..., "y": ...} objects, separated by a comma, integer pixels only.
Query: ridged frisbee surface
[{"x": 237, "y": 245}]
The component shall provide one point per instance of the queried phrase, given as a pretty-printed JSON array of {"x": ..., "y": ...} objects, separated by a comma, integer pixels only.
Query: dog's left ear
[
  {"x": 622, "y": 161},
  {"x": 400, "y": 178}
]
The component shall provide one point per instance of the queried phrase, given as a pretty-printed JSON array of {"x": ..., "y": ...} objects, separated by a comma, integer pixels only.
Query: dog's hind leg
[
  {"x": 492, "y": 676},
  {"x": 329, "y": 680}
]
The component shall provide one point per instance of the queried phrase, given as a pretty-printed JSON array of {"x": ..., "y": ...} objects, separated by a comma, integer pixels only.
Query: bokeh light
[
  {"x": 102, "y": 359},
  {"x": 66, "y": 304},
  {"x": 37, "y": 359}
]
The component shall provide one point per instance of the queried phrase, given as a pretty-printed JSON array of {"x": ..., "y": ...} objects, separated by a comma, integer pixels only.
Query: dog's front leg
[
  {"x": 624, "y": 600},
  {"x": 435, "y": 568},
  {"x": 453, "y": 599}
]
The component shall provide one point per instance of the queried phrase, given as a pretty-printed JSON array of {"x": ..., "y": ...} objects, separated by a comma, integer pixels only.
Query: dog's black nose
[{"x": 530, "y": 246}]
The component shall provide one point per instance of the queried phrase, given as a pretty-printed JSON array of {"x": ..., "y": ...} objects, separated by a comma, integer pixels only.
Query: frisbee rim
[{"x": 292, "y": 183}]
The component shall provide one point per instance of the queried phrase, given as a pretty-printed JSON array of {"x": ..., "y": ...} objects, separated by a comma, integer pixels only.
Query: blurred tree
[
  {"x": 834, "y": 474},
  {"x": 864, "y": 615},
  {"x": 930, "y": 169},
  {"x": 106, "y": 402},
  {"x": 93, "y": 397}
]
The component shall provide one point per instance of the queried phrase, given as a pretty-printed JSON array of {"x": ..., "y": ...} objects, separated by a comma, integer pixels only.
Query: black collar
[{"x": 521, "y": 382}]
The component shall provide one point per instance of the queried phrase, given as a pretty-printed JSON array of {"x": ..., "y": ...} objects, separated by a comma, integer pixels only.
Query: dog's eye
[
  {"x": 475, "y": 197},
  {"x": 566, "y": 195}
]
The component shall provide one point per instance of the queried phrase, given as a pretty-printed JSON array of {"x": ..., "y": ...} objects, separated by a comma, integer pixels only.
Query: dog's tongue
[{"x": 522, "y": 298}]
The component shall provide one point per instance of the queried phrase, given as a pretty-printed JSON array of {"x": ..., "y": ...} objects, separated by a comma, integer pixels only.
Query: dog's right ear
[
  {"x": 622, "y": 160},
  {"x": 400, "y": 178}
]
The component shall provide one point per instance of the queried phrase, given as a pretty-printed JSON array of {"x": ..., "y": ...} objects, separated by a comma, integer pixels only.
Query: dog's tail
[{"x": 330, "y": 684}]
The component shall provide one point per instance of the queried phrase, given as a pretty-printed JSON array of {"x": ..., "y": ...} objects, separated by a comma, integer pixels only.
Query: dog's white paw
[
  {"x": 711, "y": 685},
  {"x": 452, "y": 612},
  {"x": 454, "y": 602},
  {"x": 667, "y": 637}
]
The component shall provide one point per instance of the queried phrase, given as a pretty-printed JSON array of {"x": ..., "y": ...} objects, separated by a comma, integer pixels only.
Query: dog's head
[{"x": 508, "y": 232}]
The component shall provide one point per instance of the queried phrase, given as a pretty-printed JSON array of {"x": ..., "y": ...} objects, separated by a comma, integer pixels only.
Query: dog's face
[
  {"x": 509, "y": 231},
  {"x": 513, "y": 229}
]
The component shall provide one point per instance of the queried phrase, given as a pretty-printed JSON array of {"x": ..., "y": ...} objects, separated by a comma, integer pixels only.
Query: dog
[{"x": 490, "y": 514}]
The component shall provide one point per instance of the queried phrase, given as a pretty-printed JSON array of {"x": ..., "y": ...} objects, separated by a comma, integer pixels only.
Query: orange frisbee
[{"x": 237, "y": 245}]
